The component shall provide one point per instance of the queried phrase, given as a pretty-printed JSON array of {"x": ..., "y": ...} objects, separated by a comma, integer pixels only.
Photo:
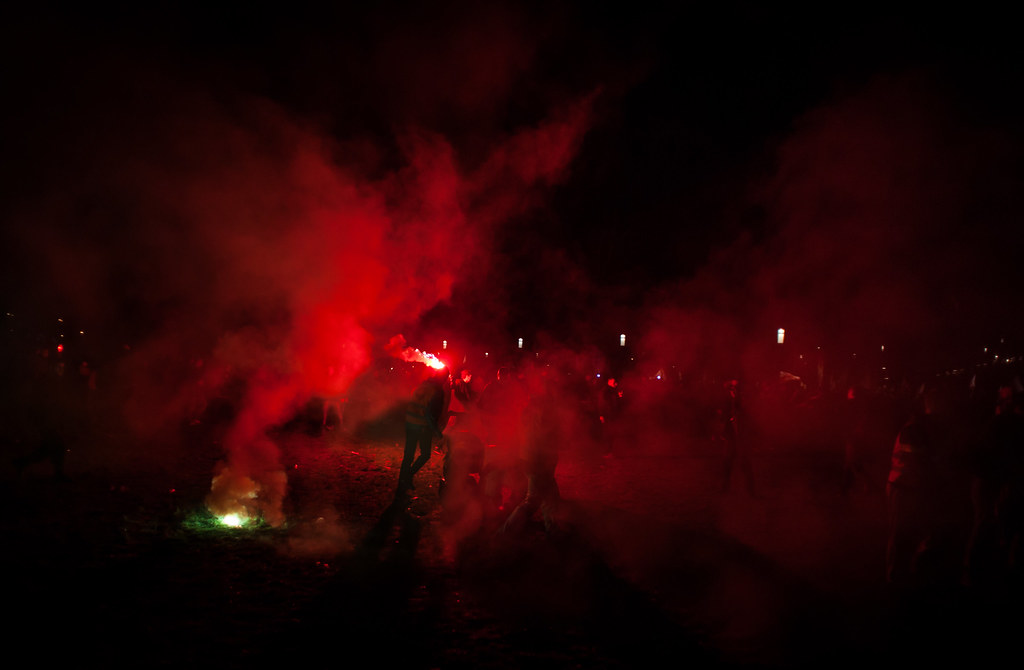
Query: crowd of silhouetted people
[{"x": 947, "y": 454}]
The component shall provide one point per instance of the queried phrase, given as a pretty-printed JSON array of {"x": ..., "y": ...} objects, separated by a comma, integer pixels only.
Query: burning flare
[
  {"x": 410, "y": 354},
  {"x": 398, "y": 348}
]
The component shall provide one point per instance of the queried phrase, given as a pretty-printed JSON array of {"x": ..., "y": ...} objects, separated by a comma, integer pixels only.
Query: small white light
[
  {"x": 622, "y": 340},
  {"x": 520, "y": 343}
]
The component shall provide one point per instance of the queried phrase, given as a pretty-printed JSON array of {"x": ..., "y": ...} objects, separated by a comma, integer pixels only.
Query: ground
[{"x": 122, "y": 565}]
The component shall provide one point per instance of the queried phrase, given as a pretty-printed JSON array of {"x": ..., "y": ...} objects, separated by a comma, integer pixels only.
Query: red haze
[{"x": 218, "y": 228}]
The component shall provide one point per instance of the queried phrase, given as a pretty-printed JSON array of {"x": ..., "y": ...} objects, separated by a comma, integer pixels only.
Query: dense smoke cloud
[
  {"x": 253, "y": 219},
  {"x": 236, "y": 248}
]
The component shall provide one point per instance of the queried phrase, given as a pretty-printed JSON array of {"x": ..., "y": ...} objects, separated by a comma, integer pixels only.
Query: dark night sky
[{"x": 845, "y": 174}]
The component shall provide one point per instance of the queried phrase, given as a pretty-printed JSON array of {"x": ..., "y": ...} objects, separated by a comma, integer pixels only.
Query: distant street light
[
  {"x": 520, "y": 343},
  {"x": 622, "y": 340},
  {"x": 782, "y": 335}
]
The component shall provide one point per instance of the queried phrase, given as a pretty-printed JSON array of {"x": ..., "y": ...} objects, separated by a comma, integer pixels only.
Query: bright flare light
[
  {"x": 417, "y": 356},
  {"x": 233, "y": 520}
]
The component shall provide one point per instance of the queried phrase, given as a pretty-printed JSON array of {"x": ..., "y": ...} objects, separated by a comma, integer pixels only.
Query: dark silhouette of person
[
  {"x": 48, "y": 419},
  {"x": 737, "y": 450},
  {"x": 464, "y": 401},
  {"x": 464, "y": 449},
  {"x": 920, "y": 486},
  {"x": 610, "y": 406},
  {"x": 462, "y": 471},
  {"x": 854, "y": 426},
  {"x": 540, "y": 443},
  {"x": 997, "y": 467},
  {"x": 423, "y": 420},
  {"x": 501, "y": 405}
]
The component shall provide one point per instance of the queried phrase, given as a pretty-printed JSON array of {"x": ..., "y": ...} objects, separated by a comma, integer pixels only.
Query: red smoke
[{"x": 222, "y": 228}]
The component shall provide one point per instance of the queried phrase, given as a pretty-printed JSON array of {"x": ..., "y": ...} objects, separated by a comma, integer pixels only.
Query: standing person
[
  {"x": 424, "y": 416},
  {"x": 501, "y": 405},
  {"x": 610, "y": 405},
  {"x": 45, "y": 418},
  {"x": 541, "y": 441},
  {"x": 464, "y": 400},
  {"x": 854, "y": 428},
  {"x": 737, "y": 451},
  {"x": 464, "y": 453},
  {"x": 995, "y": 492},
  {"x": 919, "y": 491}
]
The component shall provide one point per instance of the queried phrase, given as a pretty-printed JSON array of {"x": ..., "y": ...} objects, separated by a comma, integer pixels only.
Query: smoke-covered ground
[{"x": 123, "y": 564}]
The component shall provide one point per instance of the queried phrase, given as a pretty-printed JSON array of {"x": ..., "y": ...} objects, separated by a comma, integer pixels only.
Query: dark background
[{"x": 851, "y": 173}]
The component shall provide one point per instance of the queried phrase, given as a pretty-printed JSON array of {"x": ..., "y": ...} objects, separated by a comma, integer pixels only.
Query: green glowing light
[{"x": 203, "y": 521}]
